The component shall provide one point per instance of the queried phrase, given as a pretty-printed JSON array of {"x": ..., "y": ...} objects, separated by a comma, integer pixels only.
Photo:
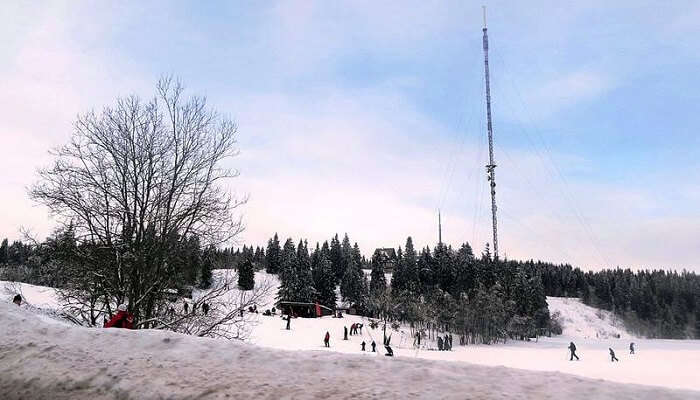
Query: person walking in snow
[
  {"x": 122, "y": 319},
  {"x": 345, "y": 334},
  {"x": 186, "y": 307},
  {"x": 289, "y": 321},
  {"x": 17, "y": 300},
  {"x": 389, "y": 351},
  {"x": 205, "y": 308},
  {"x": 439, "y": 343},
  {"x": 352, "y": 329},
  {"x": 612, "y": 355},
  {"x": 632, "y": 348},
  {"x": 327, "y": 340},
  {"x": 572, "y": 348},
  {"x": 363, "y": 345},
  {"x": 374, "y": 347}
]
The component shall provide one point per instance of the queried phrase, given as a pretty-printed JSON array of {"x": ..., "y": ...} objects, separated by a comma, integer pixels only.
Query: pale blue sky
[{"x": 367, "y": 117}]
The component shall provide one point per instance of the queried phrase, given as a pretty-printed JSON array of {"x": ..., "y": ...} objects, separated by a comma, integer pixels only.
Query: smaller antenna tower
[{"x": 439, "y": 228}]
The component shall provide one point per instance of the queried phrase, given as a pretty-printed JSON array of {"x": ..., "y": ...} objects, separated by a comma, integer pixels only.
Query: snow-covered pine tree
[
  {"x": 377, "y": 283},
  {"x": 336, "y": 258},
  {"x": 398, "y": 277},
  {"x": 273, "y": 256},
  {"x": 346, "y": 253},
  {"x": 353, "y": 287},
  {"x": 324, "y": 280},
  {"x": 288, "y": 272},
  {"x": 444, "y": 268},
  {"x": 304, "y": 290}
]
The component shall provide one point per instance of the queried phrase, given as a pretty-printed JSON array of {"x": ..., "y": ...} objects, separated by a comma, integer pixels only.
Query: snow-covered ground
[
  {"x": 667, "y": 363},
  {"x": 45, "y": 360}
]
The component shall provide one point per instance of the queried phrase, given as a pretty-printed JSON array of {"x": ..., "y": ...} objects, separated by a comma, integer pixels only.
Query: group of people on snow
[
  {"x": 613, "y": 358},
  {"x": 444, "y": 344},
  {"x": 186, "y": 308},
  {"x": 355, "y": 328}
]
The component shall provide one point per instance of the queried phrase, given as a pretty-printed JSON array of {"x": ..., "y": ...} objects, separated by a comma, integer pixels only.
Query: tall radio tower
[{"x": 491, "y": 167}]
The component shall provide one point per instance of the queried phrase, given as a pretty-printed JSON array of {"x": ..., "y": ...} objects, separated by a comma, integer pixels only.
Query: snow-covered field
[
  {"x": 52, "y": 360},
  {"x": 666, "y": 363}
]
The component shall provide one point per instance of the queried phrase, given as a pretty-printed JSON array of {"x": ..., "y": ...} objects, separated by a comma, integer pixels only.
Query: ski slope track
[
  {"x": 41, "y": 359},
  {"x": 586, "y": 322}
]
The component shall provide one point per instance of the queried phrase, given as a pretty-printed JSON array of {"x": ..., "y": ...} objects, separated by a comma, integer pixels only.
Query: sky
[{"x": 366, "y": 117}]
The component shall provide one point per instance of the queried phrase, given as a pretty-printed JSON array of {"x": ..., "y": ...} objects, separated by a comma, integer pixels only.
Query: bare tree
[
  {"x": 227, "y": 316},
  {"x": 132, "y": 183}
]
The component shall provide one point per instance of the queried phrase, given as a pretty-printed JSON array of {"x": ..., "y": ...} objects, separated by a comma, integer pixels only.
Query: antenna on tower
[
  {"x": 491, "y": 167},
  {"x": 439, "y": 228}
]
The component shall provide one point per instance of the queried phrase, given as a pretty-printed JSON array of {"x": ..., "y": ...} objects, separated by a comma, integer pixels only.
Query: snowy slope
[
  {"x": 37, "y": 296},
  {"x": 582, "y": 321},
  {"x": 50, "y": 361}
]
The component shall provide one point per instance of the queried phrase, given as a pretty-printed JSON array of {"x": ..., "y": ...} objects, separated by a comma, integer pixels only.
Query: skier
[
  {"x": 632, "y": 348},
  {"x": 572, "y": 348},
  {"x": 122, "y": 319},
  {"x": 17, "y": 300},
  {"x": 363, "y": 345},
  {"x": 389, "y": 352},
  {"x": 612, "y": 355},
  {"x": 439, "y": 343},
  {"x": 187, "y": 307},
  {"x": 352, "y": 329},
  {"x": 450, "y": 337},
  {"x": 374, "y": 347},
  {"x": 205, "y": 308},
  {"x": 327, "y": 339},
  {"x": 345, "y": 334},
  {"x": 289, "y": 321}
]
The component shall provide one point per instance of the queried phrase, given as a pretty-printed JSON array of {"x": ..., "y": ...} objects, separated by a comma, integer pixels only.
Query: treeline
[
  {"x": 656, "y": 304},
  {"x": 478, "y": 298},
  {"x": 57, "y": 262}
]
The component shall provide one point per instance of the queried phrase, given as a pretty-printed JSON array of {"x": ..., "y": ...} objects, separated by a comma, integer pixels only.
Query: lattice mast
[{"x": 491, "y": 167}]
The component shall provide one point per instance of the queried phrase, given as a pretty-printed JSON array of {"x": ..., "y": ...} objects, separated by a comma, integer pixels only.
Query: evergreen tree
[
  {"x": 304, "y": 290},
  {"x": 246, "y": 275},
  {"x": 426, "y": 271},
  {"x": 444, "y": 272},
  {"x": 353, "y": 287},
  {"x": 346, "y": 253},
  {"x": 273, "y": 256},
  {"x": 4, "y": 252},
  {"x": 465, "y": 280},
  {"x": 288, "y": 272},
  {"x": 336, "y": 256},
  {"x": 398, "y": 277},
  {"x": 324, "y": 280},
  {"x": 377, "y": 283}
]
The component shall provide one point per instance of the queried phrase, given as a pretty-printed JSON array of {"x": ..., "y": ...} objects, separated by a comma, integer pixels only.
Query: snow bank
[
  {"x": 50, "y": 361},
  {"x": 582, "y": 321}
]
